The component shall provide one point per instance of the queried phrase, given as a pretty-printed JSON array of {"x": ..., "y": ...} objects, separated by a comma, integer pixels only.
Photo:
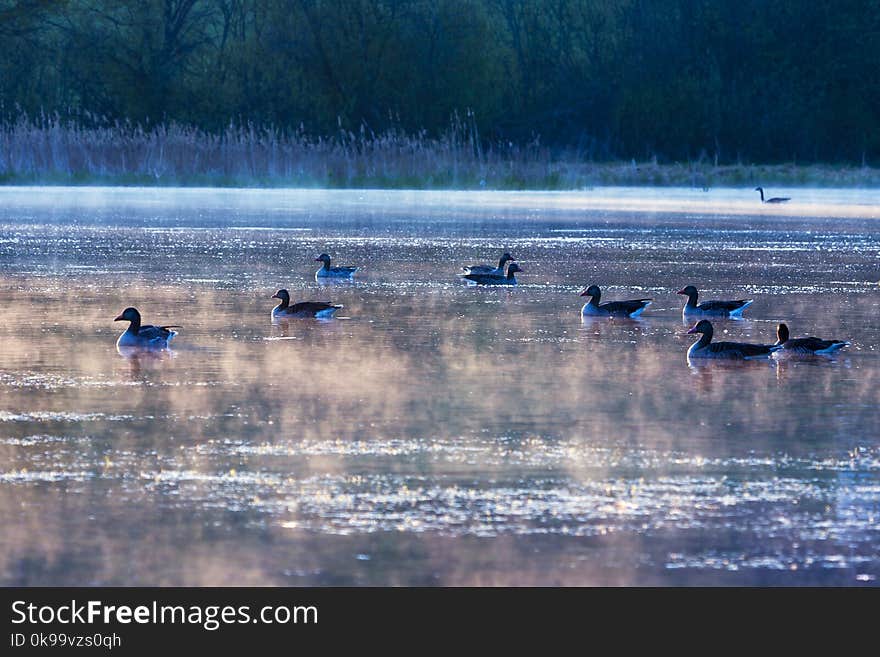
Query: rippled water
[{"x": 435, "y": 433}]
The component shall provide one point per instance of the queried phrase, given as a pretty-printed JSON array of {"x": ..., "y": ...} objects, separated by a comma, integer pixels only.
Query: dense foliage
[{"x": 726, "y": 80}]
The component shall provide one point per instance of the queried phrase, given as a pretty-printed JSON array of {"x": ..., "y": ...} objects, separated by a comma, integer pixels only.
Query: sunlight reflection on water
[{"x": 434, "y": 417}]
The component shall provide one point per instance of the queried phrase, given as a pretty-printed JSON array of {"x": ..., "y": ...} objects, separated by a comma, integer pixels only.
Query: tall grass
[{"x": 52, "y": 151}]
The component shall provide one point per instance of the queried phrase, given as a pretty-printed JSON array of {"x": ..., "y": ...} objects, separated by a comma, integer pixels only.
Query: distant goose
[
  {"x": 319, "y": 309},
  {"x": 806, "y": 346},
  {"x": 143, "y": 336},
  {"x": 495, "y": 279},
  {"x": 723, "y": 308},
  {"x": 705, "y": 348},
  {"x": 631, "y": 308},
  {"x": 333, "y": 272},
  {"x": 488, "y": 269},
  {"x": 775, "y": 199}
]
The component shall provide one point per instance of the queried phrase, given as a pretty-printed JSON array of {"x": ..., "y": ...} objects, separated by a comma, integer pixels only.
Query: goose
[
  {"x": 495, "y": 279},
  {"x": 723, "y": 308},
  {"x": 806, "y": 346},
  {"x": 319, "y": 309},
  {"x": 705, "y": 348},
  {"x": 488, "y": 269},
  {"x": 631, "y": 308},
  {"x": 332, "y": 272},
  {"x": 775, "y": 199},
  {"x": 144, "y": 336}
]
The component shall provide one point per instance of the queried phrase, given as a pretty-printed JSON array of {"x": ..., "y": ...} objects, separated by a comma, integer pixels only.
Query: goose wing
[
  {"x": 723, "y": 306},
  {"x": 813, "y": 345},
  {"x": 625, "y": 307},
  {"x": 479, "y": 269},
  {"x": 150, "y": 332},
  {"x": 485, "y": 279},
  {"x": 740, "y": 349},
  {"x": 310, "y": 307}
]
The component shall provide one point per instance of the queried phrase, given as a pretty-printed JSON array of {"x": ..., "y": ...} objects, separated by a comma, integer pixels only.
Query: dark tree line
[{"x": 753, "y": 80}]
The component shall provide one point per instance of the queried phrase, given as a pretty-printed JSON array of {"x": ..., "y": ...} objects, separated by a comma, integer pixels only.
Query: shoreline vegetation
[{"x": 52, "y": 152}]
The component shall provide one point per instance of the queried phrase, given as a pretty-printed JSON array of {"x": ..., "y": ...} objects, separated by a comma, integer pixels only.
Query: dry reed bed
[{"x": 51, "y": 151}]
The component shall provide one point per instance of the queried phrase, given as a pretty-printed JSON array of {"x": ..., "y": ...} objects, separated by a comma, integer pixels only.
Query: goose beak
[
  {"x": 681, "y": 291},
  {"x": 584, "y": 294},
  {"x": 275, "y": 296},
  {"x": 119, "y": 319},
  {"x": 318, "y": 260},
  {"x": 692, "y": 329}
]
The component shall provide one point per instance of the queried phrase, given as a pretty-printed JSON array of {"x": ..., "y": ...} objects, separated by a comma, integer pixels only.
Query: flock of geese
[{"x": 147, "y": 336}]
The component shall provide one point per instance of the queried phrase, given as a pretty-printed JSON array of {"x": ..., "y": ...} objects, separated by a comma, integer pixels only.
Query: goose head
[
  {"x": 688, "y": 290},
  {"x": 704, "y": 326},
  {"x": 129, "y": 315},
  {"x": 782, "y": 333},
  {"x": 323, "y": 258},
  {"x": 284, "y": 295},
  {"x": 592, "y": 291}
]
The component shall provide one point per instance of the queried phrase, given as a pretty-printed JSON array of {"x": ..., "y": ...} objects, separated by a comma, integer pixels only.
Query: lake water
[{"x": 435, "y": 433}]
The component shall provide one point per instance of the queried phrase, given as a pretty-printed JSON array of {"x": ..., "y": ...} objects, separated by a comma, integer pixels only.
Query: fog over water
[{"x": 435, "y": 433}]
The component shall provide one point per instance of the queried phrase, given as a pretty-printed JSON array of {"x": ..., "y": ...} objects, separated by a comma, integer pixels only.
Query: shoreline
[
  {"x": 815, "y": 202},
  {"x": 558, "y": 176}
]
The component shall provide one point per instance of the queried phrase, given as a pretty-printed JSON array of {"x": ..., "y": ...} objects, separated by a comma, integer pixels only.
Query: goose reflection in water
[{"x": 142, "y": 361}]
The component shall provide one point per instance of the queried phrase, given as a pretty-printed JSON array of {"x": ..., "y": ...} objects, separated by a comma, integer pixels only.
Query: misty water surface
[{"x": 435, "y": 433}]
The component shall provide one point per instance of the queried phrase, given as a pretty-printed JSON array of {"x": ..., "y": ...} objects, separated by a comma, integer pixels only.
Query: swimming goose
[
  {"x": 143, "y": 336},
  {"x": 775, "y": 199},
  {"x": 495, "y": 279},
  {"x": 807, "y": 346},
  {"x": 332, "y": 272},
  {"x": 319, "y": 309},
  {"x": 488, "y": 269},
  {"x": 705, "y": 348},
  {"x": 723, "y": 308},
  {"x": 630, "y": 308}
]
